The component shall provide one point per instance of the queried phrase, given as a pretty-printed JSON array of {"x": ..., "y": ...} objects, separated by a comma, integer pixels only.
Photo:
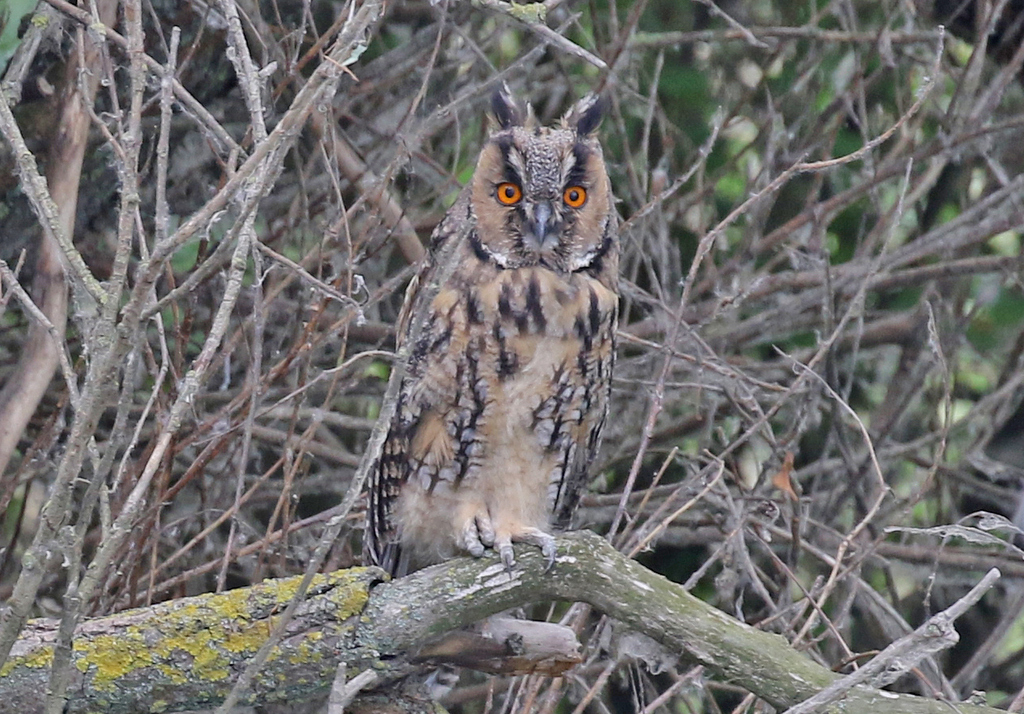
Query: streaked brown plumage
[{"x": 506, "y": 387}]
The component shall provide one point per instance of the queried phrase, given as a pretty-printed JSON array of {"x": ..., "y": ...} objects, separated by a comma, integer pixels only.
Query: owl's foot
[
  {"x": 532, "y": 536},
  {"x": 477, "y": 535}
]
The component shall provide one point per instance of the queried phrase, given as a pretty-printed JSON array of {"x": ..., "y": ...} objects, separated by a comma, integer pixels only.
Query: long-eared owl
[{"x": 507, "y": 382}]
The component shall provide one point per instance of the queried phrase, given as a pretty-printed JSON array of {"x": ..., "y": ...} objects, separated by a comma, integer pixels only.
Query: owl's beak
[{"x": 541, "y": 224}]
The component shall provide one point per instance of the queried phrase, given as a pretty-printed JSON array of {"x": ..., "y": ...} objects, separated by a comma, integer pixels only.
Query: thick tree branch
[{"x": 186, "y": 653}]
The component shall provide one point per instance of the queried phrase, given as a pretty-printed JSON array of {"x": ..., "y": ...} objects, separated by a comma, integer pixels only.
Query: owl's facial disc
[{"x": 542, "y": 227}]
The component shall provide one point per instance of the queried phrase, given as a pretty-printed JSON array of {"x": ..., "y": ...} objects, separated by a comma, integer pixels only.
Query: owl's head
[{"x": 541, "y": 195}]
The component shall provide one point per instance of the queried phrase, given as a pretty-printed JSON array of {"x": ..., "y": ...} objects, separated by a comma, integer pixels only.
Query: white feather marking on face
[
  {"x": 568, "y": 163},
  {"x": 515, "y": 158}
]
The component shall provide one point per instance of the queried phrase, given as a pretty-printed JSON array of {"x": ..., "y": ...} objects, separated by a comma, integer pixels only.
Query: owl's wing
[
  {"x": 583, "y": 450},
  {"x": 381, "y": 540},
  {"x": 596, "y": 362}
]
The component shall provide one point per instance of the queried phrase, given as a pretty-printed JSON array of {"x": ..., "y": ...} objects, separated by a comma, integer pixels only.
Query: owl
[{"x": 507, "y": 381}]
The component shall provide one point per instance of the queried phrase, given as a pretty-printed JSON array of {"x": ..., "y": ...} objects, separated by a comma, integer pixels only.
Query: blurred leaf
[{"x": 378, "y": 369}]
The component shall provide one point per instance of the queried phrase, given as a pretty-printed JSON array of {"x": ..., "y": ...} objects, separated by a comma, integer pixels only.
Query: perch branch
[{"x": 186, "y": 653}]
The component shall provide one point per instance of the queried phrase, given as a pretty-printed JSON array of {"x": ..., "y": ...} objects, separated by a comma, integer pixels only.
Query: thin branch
[
  {"x": 935, "y": 635},
  {"x": 527, "y": 16}
]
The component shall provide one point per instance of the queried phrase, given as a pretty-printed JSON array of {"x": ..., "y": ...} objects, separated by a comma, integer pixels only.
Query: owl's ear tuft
[
  {"x": 507, "y": 113},
  {"x": 586, "y": 116}
]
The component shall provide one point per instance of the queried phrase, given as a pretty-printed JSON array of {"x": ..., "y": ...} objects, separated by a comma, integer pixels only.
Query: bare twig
[
  {"x": 522, "y": 13},
  {"x": 898, "y": 658}
]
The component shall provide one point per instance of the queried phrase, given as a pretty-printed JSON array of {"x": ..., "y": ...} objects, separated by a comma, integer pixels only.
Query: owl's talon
[
  {"x": 471, "y": 540},
  {"x": 503, "y": 544},
  {"x": 549, "y": 550},
  {"x": 546, "y": 543},
  {"x": 508, "y": 557},
  {"x": 531, "y": 536},
  {"x": 485, "y": 530}
]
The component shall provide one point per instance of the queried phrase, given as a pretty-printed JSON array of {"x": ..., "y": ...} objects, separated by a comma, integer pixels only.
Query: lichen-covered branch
[{"x": 186, "y": 653}]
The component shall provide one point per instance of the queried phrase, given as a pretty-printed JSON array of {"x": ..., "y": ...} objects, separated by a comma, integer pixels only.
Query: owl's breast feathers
[{"x": 502, "y": 406}]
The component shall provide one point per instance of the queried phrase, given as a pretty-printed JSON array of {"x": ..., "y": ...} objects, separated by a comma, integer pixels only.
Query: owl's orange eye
[
  {"x": 509, "y": 193},
  {"x": 575, "y": 196}
]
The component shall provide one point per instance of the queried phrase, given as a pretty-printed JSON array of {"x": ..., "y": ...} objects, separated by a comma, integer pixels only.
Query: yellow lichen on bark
[
  {"x": 111, "y": 657},
  {"x": 38, "y": 658},
  {"x": 199, "y": 642}
]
